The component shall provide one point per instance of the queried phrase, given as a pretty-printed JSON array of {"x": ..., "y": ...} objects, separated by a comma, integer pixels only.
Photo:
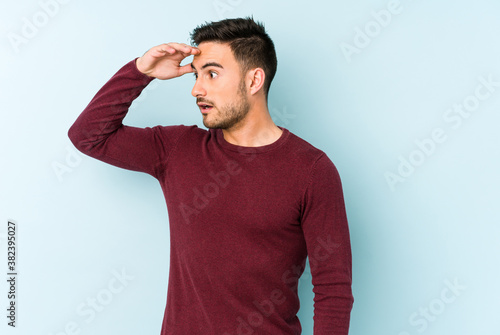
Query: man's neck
[{"x": 255, "y": 130}]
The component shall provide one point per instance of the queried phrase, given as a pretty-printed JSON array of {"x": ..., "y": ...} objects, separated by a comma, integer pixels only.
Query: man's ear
[{"x": 256, "y": 78}]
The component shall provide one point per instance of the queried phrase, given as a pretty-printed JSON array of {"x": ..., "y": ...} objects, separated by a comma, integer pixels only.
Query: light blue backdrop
[{"x": 403, "y": 96}]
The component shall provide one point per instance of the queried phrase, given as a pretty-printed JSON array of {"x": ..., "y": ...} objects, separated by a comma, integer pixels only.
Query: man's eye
[
  {"x": 195, "y": 75},
  {"x": 213, "y": 74}
]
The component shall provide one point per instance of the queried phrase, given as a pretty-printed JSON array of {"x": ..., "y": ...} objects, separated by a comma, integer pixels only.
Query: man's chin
[
  {"x": 228, "y": 123},
  {"x": 210, "y": 125}
]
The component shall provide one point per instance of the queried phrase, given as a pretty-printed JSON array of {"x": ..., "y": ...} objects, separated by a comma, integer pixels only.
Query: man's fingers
[
  {"x": 181, "y": 47},
  {"x": 185, "y": 69},
  {"x": 171, "y": 48},
  {"x": 165, "y": 48}
]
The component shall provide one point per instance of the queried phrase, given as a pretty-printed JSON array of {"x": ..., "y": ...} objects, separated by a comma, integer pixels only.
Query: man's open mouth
[{"x": 205, "y": 107}]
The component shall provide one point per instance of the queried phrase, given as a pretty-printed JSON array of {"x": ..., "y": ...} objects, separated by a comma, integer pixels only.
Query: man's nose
[{"x": 198, "y": 89}]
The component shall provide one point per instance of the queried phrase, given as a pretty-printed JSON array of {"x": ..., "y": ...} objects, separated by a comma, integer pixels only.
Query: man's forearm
[{"x": 102, "y": 118}]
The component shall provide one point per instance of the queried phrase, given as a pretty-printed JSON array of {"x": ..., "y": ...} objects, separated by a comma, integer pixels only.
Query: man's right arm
[{"x": 99, "y": 131}]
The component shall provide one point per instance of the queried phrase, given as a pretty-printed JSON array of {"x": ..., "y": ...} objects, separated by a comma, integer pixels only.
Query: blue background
[{"x": 375, "y": 84}]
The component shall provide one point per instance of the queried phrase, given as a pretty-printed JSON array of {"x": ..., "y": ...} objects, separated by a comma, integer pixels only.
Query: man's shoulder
[
  {"x": 303, "y": 149},
  {"x": 317, "y": 163}
]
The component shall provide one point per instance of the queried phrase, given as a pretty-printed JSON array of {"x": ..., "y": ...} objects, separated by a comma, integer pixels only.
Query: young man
[{"x": 247, "y": 200}]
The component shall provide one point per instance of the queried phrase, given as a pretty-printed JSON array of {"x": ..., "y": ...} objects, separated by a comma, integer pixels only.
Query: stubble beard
[{"x": 230, "y": 114}]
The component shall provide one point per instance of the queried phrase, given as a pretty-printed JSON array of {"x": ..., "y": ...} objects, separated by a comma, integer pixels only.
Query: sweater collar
[{"x": 241, "y": 149}]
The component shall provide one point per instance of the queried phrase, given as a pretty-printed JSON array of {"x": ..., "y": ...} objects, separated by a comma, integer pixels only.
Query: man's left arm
[{"x": 326, "y": 232}]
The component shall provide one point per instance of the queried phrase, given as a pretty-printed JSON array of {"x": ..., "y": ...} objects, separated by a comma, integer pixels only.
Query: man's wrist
[{"x": 138, "y": 70}]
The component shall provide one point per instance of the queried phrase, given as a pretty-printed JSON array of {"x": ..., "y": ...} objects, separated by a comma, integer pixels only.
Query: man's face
[{"x": 219, "y": 89}]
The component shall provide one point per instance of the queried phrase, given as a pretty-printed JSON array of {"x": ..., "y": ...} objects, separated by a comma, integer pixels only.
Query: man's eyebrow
[{"x": 208, "y": 64}]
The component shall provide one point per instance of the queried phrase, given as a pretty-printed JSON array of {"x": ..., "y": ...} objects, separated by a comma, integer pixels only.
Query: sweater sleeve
[
  {"x": 99, "y": 132},
  {"x": 326, "y": 232}
]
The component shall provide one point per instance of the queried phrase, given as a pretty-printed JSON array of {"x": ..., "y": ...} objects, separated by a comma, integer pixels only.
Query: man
[{"x": 247, "y": 200}]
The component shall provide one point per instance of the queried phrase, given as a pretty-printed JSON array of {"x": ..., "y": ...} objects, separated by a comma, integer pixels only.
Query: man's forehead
[{"x": 213, "y": 52}]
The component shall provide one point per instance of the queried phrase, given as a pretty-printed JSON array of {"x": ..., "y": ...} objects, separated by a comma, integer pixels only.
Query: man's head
[
  {"x": 230, "y": 71},
  {"x": 220, "y": 90},
  {"x": 251, "y": 45}
]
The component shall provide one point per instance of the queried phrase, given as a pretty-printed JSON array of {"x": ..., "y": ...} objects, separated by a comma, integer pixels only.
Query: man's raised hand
[{"x": 164, "y": 61}]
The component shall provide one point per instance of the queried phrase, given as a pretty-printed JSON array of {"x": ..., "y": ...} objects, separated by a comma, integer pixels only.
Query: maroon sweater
[{"x": 242, "y": 219}]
